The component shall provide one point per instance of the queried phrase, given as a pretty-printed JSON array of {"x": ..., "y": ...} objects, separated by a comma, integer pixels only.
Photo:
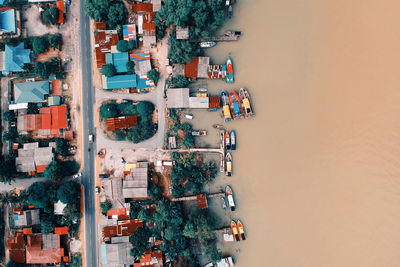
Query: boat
[
  {"x": 199, "y": 94},
  {"x": 218, "y": 126},
  {"x": 223, "y": 203},
  {"x": 222, "y": 138},
  {"x": 199, "y": 133},
  {"x": 207, "y": 44},
  {"x": 245, "y": 99},
  {"x": 229, "y": 70},
  {"x": 235, "y": 231},
  {"x": 241, "y": 230},
  {"x": 234, "y": 103},
  {"x": 228, "y": 163},
  {"x": 227, "y": 140},
  {"x": 203, "y": 90},
  {"x": 229, "y": 197},
  {"x": 225, "y": 106},
  {"x": 225, "y": 262},
  {"x": 230, "y": 11},
  {"x": 188, "y": 116},
  {"x": 233, "y": 140}
]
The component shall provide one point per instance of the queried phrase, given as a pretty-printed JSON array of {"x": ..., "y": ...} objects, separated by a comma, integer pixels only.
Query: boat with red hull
[
  {"x": 236, "y": 107},
  {"x": 235, "y": 231}
]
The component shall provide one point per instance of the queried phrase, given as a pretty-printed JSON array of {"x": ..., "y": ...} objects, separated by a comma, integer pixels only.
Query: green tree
[
  {"x": 214, "y": 254},
  {"x": 181, "y": 51},
  {"x": 105, "y": 206},
  {"x": 108, "y": 70},
  {"x": 153, "y": 75},
  {"x": 7, "y": 170},
  {"x": 40, "y": 44},
  {"x": 41, "y": 194},
  {"x": 180, "y": 81},
  {"x": 139, "y": 240},
  {"x": 69, "y": 192},
  {"x": 145, "y": 109},
  {"x": 189, "y": 230},
  {"x": 47, "y": 224},
  {"x": 177, "y": 191},
  {"x": 55, "y": 40},
  {"x": 154, "y": 192},
  {"x": 69, "y": 167},
  {"x": 76, "y": 260},
  {"x": 130, "y": 65},
  {"x": 171, "y": 233},
  {"x": 123, "y": 46},
  {"x": 144, "y": 215},
  {"x": 53, "y": 171},
  {"x": 109, "y": 110},
  {"x": 62, "y": 147},
  {"x": 45, "y": 69},
  {"x": 189, "y": 140},
  {"x": 50, "y": 16},
  {"x": 187, "y": 126},
  {"x": 73, "y": 212},
  {"x": 116, "y": 15}
]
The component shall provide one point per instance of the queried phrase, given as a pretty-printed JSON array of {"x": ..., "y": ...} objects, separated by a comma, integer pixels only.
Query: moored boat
[
  {"x": 241, "y": 230},
  {"x": 229, "y": 70},
  {"x": 233, "y": 140},
  {"x": 235, "y": 231},
  {"x": 234, "y": 103},
  {"x": 207, "y": 44},
  {"x": 225, "y": 106},
  {"x": 199, "y": 133},
  {"x": 223, "y": 203},
  {"x": 228, "y": 163},
  {"x": 188, "y": 116},
  {"x": 229, "y": 197},
  {"x": 218, "y": 126},
  {"x": 230, "y": 11},
  {"x": 227, "y": 140},
  {"x": 245, "y": 99},
  {"x": 203, "y": 90},
  {"x": 222, "y": 138}
]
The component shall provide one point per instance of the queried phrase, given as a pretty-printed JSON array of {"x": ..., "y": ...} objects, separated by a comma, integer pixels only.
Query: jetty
[
  {"x": 192, "y": 198},
  {"x": 198, "y": 150},
  {"x": 227, "y": 36}
]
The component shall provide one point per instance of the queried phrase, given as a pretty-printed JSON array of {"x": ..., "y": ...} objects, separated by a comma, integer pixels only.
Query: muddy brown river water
[{"x": 317, "y": 172}]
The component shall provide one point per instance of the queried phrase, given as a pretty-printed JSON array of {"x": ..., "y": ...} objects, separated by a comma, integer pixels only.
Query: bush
[
  {"x": 105, "y": 206},
  {"x": 108, "y": 70},
  {"x": 40, "y": 44},
  {"x": 109, "y": 110},
  {"x": 154, "y": 75},
  {"x": 180, "y": 81},
  {"x": 50, "y": 16}
]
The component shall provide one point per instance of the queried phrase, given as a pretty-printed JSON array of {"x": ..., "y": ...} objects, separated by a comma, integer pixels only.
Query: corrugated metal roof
[
  {"x": 121, "y": 81},
  {"x": 178, "y": 98},
  {"x": 119, "y": 61},
  {"x": 8, "y": 20},
  {"x": 31, "y": 92},
  {"x": 16, "y": 57}
]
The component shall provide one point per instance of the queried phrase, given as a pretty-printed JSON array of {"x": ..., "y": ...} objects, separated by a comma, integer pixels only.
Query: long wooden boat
[
  {"x": 230, "y": 198},
  {"x": 236, "y": 107},
  {"x": 223, "y": 203},
  {"x": 235, "y": 231},
  {"x": 228, "y": 163},
  {"x": 241, "y": 230},
  {"x": 245, "y": 99},
  {"x": 207, "y": 44},
  {"x": 229, "y": 71},
  {"x": 233, "y": 140},
  {"x": 227, "y": 140},
  {"x": 225, "y": 106}
]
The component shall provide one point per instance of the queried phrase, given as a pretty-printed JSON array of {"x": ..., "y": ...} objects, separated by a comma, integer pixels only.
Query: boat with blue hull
[{"x": 229, "y": 71}]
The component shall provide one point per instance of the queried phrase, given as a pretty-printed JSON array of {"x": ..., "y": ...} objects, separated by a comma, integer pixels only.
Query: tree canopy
[
  {"x": 41, "y": 194},
  {"x": 50, "y": 16},
  {"x": 153, "y": 75},
  {"x": 40, "y": 44},
  {"x": 130, "y": 65},
  {"x": 139, "y": 241},
  {"x": 62, "y": 147},
  {"x": 53, "y": 171},
  {"x": 108, "y": 70},
  {"x": 69, "y": 192},
  {"x": 105, "y": 206},
  {"x": 180, "y": 81},
  {"x": 112, "y": 12},
  {"x": 125, "y": 46},
  {"x": 109, "y": 110}
]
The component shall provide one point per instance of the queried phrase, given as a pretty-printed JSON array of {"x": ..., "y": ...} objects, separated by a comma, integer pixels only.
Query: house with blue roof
[
  {"x": 120, "y": 81},
  {"x": 31, "y": 92},
  {"x": 3, "y": 2},
  {"x": 14, "y": 58}
]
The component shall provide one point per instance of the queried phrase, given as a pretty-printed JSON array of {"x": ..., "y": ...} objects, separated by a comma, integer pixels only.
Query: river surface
[{"x": 317, "y": 171}]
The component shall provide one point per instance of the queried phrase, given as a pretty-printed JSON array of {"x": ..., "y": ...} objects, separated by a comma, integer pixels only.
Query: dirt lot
[{"x": 30, "y": 16}]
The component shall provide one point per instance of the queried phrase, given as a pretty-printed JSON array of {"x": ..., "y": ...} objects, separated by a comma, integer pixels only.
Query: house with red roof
[
  {"x": 103, "y": 41},
  {"x": 123, "y": 122}
]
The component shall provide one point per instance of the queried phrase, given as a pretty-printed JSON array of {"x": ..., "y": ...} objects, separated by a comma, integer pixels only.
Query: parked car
[
  {"x": 104, "y": 175},
  {"x": 97, "y": 190},
  {"x": 91, "y": 138},
  {"x": 79, "y": 174},
  {"x": 123, "y": 160}
]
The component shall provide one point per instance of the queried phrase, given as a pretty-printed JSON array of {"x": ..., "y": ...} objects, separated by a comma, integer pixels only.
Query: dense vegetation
[
  {"x": 203, "y": 17},
  {"x": 180, "y": 81},
  {"x": 154, "y": 75},
  {"x": 108, "y": 70},
  {"x": 192, "y": 173},
  {"x": 144, "y": 128},
  {"x": 41, "y": 44},
  {"x": 112, "y": 12},
  {"x": 48, "y": 68},
  {"x": 57, "y": 170},
  {"x": 125, "y": 46},
  {"x": 178, "y": 231}
]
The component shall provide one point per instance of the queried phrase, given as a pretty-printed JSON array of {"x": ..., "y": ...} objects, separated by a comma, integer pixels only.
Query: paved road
[{"x": 88, "y": 171}]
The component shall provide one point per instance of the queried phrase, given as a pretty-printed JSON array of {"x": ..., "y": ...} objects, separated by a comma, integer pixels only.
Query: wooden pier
[
  {"x": 199, "y": 150},
  {"x": 227, "y": 36},
  {"x": 192, "y": 198}
]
